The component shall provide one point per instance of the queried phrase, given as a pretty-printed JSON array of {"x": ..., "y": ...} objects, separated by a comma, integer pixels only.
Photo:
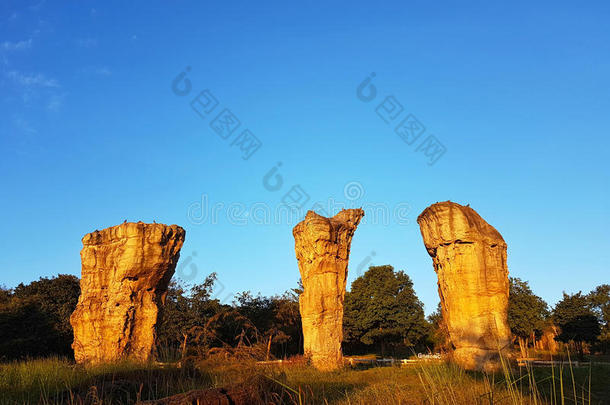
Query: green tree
[
  {"x": 184, "y": 316},
  {"x": 600, "y": 305},
  {"x": 527, "y": 313},
  {"x": 57, "y": 297},
  {"x": 194, "y": 322},
  {"x": 287, "y": 324},
  {"x": 258, "y": 309},
  {"x": 577, "y": 321},
  {"x": 277, "y": 321},
  {"x": 35, "y": 317},
  {"x": 5, "y": 295},
  {"x": 27, "y": 331},
  {"x": 382, "y": 308},
  {"x": 439, "y": 334}
]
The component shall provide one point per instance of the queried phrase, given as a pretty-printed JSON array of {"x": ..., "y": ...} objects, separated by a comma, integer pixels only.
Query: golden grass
[{"x": 52, "y": 381}]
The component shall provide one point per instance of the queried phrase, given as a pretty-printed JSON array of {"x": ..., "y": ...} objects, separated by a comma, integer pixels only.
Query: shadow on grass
[
  {"x": 59, "y": 382},
  {"x": 129, "y": 386}
]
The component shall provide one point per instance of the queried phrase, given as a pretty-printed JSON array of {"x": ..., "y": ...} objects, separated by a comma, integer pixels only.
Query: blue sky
[{"x": 93, "y": 134}]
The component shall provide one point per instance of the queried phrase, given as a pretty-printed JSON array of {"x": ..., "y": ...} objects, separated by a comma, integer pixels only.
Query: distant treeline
[{"x": 382, "y": 315}]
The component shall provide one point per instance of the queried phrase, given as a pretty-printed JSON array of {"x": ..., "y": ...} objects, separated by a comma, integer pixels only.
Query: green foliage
[
  {"x": 439, "y": 334},
  {"x": 185, "y": 314},
  {"x": 26, "y": 331},
  {"x": 59, "y": 381},
  {"x": 600, "y": 305},
  {"x": 257, "y": 309},
  {"x": 276, "y": 318},
  {"x": 578, "y": 323},
  {"x": 56, "y": 296},
  {"x": 5, "y": 295},
  {"x": 573, "y": 314},
  {"x": 193, "y": 322},
  {"x": 527, "y": 313},
  {"x": 35, "y": 318},
  {"x": 382, "y": 308}
]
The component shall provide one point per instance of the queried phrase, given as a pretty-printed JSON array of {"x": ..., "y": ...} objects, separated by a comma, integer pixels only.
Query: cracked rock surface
[
  {"x": 322, "y": 248},
  {"x": 125, "y": 273},
  {"x": 469, "y": 257}
]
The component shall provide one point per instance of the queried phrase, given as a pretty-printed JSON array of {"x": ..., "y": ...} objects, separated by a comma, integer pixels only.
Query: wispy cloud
[
  {"x": 24, "y": 125},
  {"x": 16, "y": 46},
  {"x": 96, "y": 71},
  {"x": 31, "y": 80},
  {"x": 86, "y": 42},
  {"x": 56, "y": 102},
  {"x": 103, "y": 71},
  {"x": 37, "y": 6}
]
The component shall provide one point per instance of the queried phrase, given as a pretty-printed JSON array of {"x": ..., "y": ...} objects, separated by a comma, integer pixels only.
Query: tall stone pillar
[
  {"x": 126, "y": 270},
  {"x": 469, "y": 257},
  {"x": 322, "y": 248}
]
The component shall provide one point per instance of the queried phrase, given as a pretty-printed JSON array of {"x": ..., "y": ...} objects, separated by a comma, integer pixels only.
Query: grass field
[{"x": 52, "y": 381}]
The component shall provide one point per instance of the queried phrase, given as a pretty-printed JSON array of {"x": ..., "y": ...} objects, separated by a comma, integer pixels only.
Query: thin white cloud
[
  {"x": 103, "y": 71},
  {"x": 33, "y": 80},
  {"x": 55, "y": 103},
  {"x": 24, "y": 125},
  {"x": 86, "y": 42},
  {"x": 96, "y": 71},
  {"x": 16, "y": 46},
  {"x": 37, "y": 6}
]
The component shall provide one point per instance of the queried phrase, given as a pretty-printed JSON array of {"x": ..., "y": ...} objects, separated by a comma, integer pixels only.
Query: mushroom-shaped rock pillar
[
  {"x": 126, "y": 270},
  {"x": 469, "y": 257},
  {"x": 322, "y": 248}
]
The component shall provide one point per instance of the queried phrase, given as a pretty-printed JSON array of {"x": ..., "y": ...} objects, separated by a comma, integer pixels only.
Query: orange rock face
[
  {"x": 469, "y": 258},
  {"x": 125, "y": 273},
  {"x": 322, "y": 248},
  {"x": 547, "y": 340}
]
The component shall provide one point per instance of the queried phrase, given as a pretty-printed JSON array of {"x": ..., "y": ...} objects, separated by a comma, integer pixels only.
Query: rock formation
[
  {"x": 322, "y": 248},
  {"x": 125, "y": 273},
  {"x": 469, "y": 258},
  {"x": 547, "y": 341}
]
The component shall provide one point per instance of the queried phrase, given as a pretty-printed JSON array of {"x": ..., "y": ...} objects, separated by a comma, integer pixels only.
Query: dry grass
[{"x": 60, "y": 381}]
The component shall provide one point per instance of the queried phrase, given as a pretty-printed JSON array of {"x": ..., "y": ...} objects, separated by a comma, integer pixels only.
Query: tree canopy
[
  {"x": 578, "y": 323},
  {"x": 381, "y": 312},
  {"x": 527, "y": 313},
  {"x": 35, "y": 318},
  {"x": 194, "y": 321},
  {"x": 382, "y": 308},
  {"x": 439, "y": 334},
  {"x": 600, "y": 305}
]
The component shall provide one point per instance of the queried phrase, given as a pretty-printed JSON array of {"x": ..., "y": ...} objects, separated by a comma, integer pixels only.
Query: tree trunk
[
  {"x": 579, "y": 348},
  {"x": 269, "y": 346},
  {"x": 184, "y": 345},
  {"x": 522, "y": 346}
]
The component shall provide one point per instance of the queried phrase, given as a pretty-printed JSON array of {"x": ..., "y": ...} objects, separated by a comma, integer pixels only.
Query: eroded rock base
[
  {"x": 322, "y": 248},
  {"x": 125, "y": 273},
  {"x": 469, "y": 258}
]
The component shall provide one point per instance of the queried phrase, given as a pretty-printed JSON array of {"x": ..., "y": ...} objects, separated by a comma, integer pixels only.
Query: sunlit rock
[
  {"x": 322, "y": 248},
  {"x": 125, "y": 273},
  {"x": 469, "y": 257}
]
